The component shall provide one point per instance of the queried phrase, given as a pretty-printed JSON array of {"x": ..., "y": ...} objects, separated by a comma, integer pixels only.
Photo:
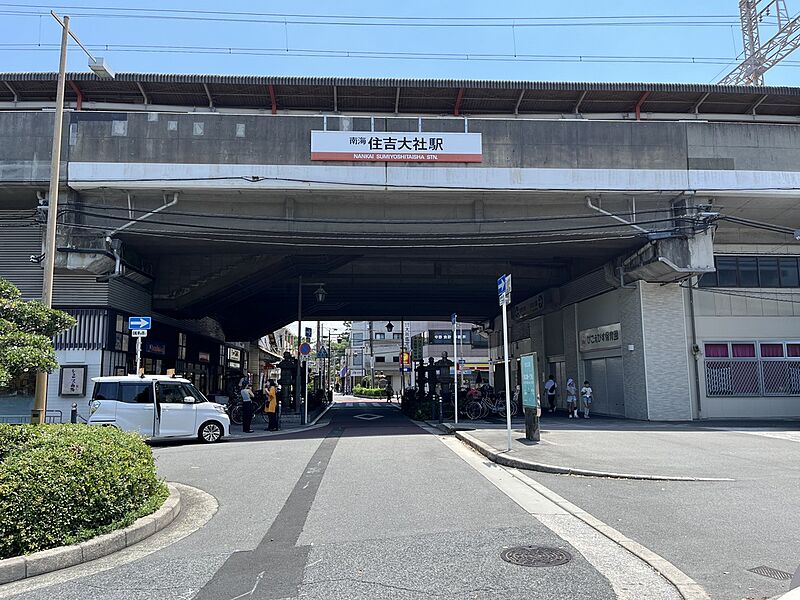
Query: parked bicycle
[
  {"x": 235, "y": 409},
  {"x": 489, "y": 404}
]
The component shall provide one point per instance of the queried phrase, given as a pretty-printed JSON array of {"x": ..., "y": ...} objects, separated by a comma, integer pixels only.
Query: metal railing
[{"x": 52, "y": 416}]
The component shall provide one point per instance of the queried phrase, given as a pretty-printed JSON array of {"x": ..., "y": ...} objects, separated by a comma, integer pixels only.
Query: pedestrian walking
[
  {"x": 389, "y": 392},
  {"x": 552, "y": 390},
  {"x": 271, "y": 407},
  {"x": 247, "y": 408},
  {"x": 572, "y": 398},
  {"x": 586, "y": 398}
]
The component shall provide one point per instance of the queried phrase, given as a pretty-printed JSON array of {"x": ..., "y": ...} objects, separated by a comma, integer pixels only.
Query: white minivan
[{"x": 180, "y": 410}]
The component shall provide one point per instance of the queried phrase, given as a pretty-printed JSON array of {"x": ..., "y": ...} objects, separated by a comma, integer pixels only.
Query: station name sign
[
  {"x": 600, "y": 338},
  {"x": 396, "y": 146}
]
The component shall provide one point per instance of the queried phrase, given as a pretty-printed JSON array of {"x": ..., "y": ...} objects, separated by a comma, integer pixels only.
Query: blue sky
[{"x": 714, "y": 41}]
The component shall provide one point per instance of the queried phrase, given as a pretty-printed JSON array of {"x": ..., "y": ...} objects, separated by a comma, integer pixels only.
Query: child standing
[
  {"x": 586, "y": 397},
  {"x": 572, "y": 398}
]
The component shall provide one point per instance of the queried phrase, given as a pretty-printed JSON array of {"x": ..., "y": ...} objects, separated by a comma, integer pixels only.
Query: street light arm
[{"x": 73, "y": 36}]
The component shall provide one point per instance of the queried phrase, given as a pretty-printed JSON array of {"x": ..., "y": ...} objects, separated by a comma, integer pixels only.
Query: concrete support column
[
  {"x": 668, "y": 376},
  {"x": 538, "y": 346},
  {"x": 572, "y": 361},
  {"x": 634, "y": 362}
]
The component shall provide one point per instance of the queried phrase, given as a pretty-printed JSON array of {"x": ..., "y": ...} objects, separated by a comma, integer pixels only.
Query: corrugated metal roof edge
[{"x": 430, "y": 83}]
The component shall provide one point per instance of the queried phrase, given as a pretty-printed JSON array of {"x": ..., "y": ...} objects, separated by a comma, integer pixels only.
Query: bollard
[
  {"x": 73, "y": 415},
  {"x": 440, "y": 409}
]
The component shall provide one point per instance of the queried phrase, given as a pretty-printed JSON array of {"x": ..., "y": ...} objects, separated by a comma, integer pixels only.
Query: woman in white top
[
  {"x": 586, "y": 398},
  {"x": 572, "y": 398}
]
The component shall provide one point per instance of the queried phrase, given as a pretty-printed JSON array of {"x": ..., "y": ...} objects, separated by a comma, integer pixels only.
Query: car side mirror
[{"x": 188, "y": 399}]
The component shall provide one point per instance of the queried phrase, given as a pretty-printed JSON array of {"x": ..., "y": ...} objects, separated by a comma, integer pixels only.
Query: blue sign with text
[{"x": 139, "y": 322}]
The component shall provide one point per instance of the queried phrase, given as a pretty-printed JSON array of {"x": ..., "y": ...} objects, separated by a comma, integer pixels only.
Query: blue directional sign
[
  {"x": 135, "y": 323},
  {"x": 308, "y": 333},
  {"x": 501, "y": 285}
]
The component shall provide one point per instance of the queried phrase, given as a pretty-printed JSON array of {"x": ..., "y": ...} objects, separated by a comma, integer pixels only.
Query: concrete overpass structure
[{"x": 197, "y": 198}]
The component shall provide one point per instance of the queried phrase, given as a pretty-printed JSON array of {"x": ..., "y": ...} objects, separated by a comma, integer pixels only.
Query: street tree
[{"x": 26, "y": 334}]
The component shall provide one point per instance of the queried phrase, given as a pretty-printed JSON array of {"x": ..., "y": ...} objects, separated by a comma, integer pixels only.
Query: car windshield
[{"x": 198, "y": 395}]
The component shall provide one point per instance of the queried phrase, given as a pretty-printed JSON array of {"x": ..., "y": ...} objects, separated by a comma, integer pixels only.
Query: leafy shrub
[
  {"x": 369, "y": 392},
  {"x": 60, "y": 484}
]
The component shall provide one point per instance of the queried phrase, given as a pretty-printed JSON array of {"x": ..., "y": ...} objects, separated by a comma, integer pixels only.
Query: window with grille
[{"x": 770, "y": 368}]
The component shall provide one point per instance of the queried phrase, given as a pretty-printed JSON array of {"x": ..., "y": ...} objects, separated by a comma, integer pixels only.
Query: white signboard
[
  {"x": 601, "y": 338},
  {"x": 396, "y": 146}
]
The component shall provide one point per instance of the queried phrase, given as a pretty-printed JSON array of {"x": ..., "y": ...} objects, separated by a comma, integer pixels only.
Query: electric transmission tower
[{"x": 760, "y": 58}]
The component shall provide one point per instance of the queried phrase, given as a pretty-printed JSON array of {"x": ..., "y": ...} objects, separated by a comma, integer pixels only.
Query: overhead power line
[
  {"x": 375, "y": 54},
  {"x": 450, "y": 221},
  {"x": 375, "y": 20}
]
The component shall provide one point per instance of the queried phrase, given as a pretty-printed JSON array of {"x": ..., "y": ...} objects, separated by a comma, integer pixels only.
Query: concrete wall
[
  {"x": 667, "y": 366},
  {"x": 25, "y": 139}
]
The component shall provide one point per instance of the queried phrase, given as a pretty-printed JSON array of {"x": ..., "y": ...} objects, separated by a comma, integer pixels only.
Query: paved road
[
  {"x": 370, "y": 506},
  {"x": 715, "y": 531}
]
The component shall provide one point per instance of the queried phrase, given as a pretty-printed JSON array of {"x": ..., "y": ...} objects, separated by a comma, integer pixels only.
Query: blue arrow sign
[
  {"x": 501, "y": 285},
  {"x": 139, "y": 322}
]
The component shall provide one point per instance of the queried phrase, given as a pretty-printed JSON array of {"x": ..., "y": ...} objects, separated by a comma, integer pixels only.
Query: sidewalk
[
  {"x": 259, "y": 432},
  {"x": 618, "y": 448}
]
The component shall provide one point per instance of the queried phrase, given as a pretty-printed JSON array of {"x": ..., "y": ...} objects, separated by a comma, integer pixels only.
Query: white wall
[{"x": 90, "y": 358}]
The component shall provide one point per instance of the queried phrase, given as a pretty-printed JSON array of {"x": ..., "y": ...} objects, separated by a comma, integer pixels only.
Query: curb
[
  {"x": 38, "y": 563},
  {"x": 520, "y": 463}
]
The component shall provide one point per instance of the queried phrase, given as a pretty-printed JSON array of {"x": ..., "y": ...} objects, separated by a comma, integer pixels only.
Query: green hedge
[
  {"x": 62, "y": 484},
  {"x": 369, "y": 392}
]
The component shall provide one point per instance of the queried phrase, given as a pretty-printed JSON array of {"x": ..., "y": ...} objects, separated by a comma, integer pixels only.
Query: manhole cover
[
  {"x": 772, "y": 573},
  {"x": 536, "y": 556}
]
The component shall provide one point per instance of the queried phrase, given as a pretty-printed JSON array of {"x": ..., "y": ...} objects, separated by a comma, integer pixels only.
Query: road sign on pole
[
  {"x": 139, "y": 323},
  {"x": 504, "y": 289},
  {"x": 138, "y": 333},
  {"x": 305, "y": 348},
  {"x": 454, "y": 320},
  {"x": 308, "y": 333},
  {"x": 504, "y": 293}
]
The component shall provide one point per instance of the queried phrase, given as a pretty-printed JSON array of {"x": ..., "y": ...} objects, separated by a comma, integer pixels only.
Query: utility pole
[
  {"x": 297, "y": 394},
  {"x": 371, "y": 358},
  {"x": 760, "y": 58},
  {"x": 99, "y": 67}
]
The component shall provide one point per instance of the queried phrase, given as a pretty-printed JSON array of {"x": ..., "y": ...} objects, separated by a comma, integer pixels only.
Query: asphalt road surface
[{"x": 368, "y": 506}]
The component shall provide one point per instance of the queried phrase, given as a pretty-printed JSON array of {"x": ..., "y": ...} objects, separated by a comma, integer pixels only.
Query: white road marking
[
  {"x": 630, "y": 576},
  {"x": 789, "y": 435}
]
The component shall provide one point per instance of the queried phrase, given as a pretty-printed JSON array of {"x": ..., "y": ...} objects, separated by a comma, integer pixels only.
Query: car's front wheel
[{"x": 210, "y": 432}]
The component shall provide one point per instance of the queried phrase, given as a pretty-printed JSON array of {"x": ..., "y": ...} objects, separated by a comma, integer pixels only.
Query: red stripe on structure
[{"x": 383, "y": 157}]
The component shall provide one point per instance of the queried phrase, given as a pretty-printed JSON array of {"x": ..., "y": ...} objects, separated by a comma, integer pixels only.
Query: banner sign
[
  {"x": 600, "y": 338},
  {"x": 396, "y": 146},
  {"x": 527, "y": 364}
]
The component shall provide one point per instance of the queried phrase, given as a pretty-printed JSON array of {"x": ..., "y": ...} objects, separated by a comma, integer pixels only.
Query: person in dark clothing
[
  {"x": 247, "y": 408},
  {"x": 552, "y": 391}
]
